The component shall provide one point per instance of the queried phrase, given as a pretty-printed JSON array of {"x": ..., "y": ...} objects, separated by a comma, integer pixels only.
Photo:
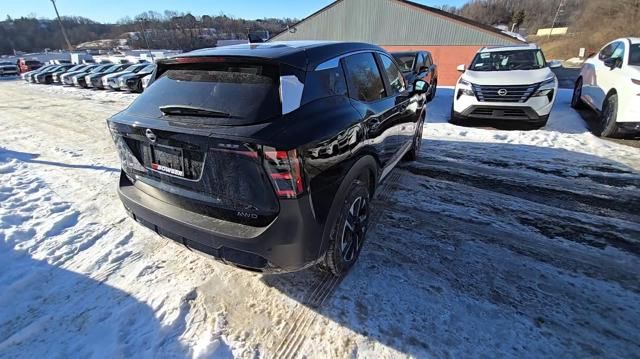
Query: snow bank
[{"x": 493, "y": 243}]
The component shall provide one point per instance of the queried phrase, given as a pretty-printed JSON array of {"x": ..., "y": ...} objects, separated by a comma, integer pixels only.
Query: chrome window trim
[{"x": 335, "y": 62}]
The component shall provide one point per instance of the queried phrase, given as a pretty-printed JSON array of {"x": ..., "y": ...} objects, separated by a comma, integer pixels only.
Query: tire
[
  {"x": 576, "y": 100},
  {"x": 453, "y": 119},
  {"x": 413, "y": 152},
  {"x": 432, "y": 94},
  {"x": 349, "y": 230},
  {"x": 608, "y": 127}
]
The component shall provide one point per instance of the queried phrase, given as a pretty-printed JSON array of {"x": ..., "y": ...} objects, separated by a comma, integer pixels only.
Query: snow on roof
[{"x": 509, "y": 48}]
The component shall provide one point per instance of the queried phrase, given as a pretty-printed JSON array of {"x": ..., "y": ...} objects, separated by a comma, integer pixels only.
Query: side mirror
[
  {"x": 420, "y": 87},
  {"x": 612, "y": 63},
  {"x": 461, "y": 68},
  {"x": 554, "y": 64}
]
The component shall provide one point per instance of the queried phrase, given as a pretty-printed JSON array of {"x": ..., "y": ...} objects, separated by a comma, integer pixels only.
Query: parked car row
[{"x": 103, "y": 76}]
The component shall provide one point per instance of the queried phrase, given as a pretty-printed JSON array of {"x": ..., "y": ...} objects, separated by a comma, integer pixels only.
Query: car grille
[
  {"x": 506, "y": 113},
  {"x": 513, "y": 93}
]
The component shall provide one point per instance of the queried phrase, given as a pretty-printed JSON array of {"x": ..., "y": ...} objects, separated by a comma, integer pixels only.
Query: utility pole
[
  {"x": 141, "y": 24},
  {"x": 555, "y": 18},
  {"x": 64, "y": 33}
]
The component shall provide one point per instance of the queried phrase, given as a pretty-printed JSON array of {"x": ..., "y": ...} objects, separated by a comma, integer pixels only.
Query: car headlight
[
  {"x": 465, "y": 88},
  {"x": 546, "y": 87}
]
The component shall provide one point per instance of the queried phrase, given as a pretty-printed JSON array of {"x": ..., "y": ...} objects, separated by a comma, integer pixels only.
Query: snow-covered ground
[{"x": 494, "y": 243}]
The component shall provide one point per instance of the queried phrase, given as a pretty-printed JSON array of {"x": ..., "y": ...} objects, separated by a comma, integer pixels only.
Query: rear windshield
[
  {"x": 634, "y": 55},
  {"x": 100, "y": 68},
  {"x": 77, "y": 67},
  {"x": 248, "y": 93},
  {"x": 136, "y": 68},
  {"x": 508, "y": 60},
  {"x": 31, "y": 62},
  {"x": 148, "y": 69}
]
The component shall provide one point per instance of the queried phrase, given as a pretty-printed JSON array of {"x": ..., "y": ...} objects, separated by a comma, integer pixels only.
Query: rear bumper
[{"x": 290, "y": 242}]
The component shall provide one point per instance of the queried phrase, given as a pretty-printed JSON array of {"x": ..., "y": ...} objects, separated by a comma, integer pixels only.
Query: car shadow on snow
[
  {"x": 49, "y": 311},
  {"x": 6, "y": 154},
  {"x": 495, "y": 256}
]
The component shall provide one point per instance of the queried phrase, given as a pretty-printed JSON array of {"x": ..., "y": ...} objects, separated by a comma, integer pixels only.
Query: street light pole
[{"x": 64, "y": 33}]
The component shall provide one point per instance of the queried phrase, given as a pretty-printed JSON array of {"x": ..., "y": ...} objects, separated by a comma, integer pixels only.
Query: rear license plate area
[{"x": 169, "y": 160}]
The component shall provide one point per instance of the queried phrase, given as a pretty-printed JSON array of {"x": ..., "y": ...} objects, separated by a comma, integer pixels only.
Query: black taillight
[{"x": 285, "y": 171}]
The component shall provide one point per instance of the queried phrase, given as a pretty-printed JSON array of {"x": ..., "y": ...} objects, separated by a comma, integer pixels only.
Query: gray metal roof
[{"x": 392, "y": 22}]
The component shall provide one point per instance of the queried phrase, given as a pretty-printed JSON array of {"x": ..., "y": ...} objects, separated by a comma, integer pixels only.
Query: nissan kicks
[{"x": 266, "y": 156}]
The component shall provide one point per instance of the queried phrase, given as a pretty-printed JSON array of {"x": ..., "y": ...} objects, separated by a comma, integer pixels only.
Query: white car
[
  {"x": 145, "y": 81},
  {"x": 609, "y": 83},
  {"x": 512, "y": 83}
]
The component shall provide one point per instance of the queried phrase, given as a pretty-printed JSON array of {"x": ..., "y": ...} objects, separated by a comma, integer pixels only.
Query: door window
[
  {"x": 363, "y": 77},
  {"x": 428, "y": 61},
  {"x": 421, "y": 61},
  {"x": 634, "y": 55},
  {"x": 394, "y": 76}
]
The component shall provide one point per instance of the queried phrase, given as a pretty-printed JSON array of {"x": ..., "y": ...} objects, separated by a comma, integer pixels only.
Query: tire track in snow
[{"x": 294, "y": 338}]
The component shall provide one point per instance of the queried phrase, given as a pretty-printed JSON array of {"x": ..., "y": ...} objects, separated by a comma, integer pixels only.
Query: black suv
[
  {"x": 419, "y": 65},
  {"x": 266, "y": 156}
]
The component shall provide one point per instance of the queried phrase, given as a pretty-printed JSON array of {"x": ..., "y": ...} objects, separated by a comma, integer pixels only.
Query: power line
[
  {"x": 64, "y": 33},
  {"x": 555, "y": 18}
]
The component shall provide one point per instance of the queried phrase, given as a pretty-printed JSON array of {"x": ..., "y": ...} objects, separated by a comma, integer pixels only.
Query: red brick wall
[{"x": 446, "y": 57}]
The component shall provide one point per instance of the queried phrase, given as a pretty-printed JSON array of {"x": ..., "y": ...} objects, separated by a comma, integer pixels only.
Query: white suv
[
  {"x": 506, "y": 83},
  {"x": 609, "y": 83}
]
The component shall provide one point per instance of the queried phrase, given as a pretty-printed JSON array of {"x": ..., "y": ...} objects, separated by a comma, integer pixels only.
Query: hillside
[
  {"x": 169, "y": 30},
  {"x": 591, "y": 23}
]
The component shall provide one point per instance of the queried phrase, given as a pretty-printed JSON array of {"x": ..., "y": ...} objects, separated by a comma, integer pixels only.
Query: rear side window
[
  {"x": 324, "y": 83},
  {"x": 248, "y": 93},
  {"x": 363, "y": 77},
  {"x": 394, "y": 76}
]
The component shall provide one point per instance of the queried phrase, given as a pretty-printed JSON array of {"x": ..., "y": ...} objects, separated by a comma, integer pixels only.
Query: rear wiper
[{"x": 181, "y": 110}]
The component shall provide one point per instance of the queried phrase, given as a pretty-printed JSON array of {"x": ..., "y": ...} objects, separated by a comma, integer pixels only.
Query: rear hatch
[{"x": 171, "y": 147}]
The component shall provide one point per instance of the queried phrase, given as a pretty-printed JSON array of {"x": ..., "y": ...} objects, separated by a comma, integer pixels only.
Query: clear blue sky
[{"x": 112, "y": 10}]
